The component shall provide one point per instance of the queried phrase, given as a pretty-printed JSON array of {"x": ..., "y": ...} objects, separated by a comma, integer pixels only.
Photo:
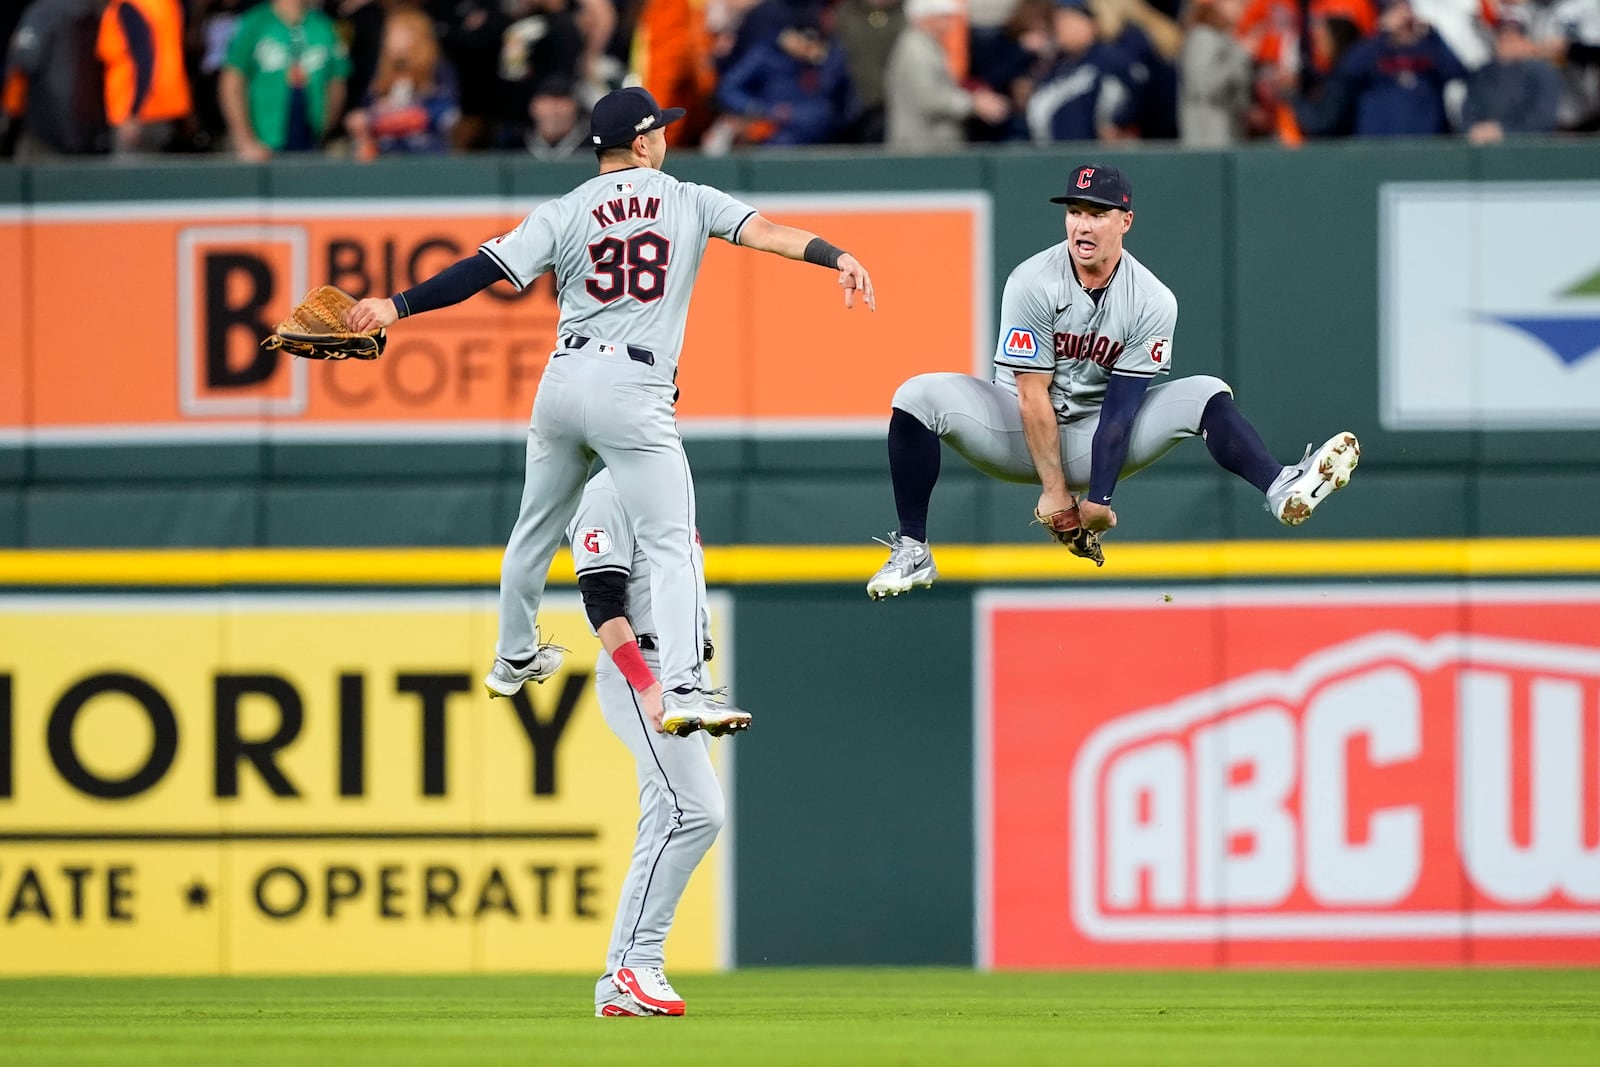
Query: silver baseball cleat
[{"x": 910, "y": 565}]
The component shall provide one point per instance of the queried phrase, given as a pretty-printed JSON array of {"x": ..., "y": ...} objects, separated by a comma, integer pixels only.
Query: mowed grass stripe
[{"x": 1501, "y": 1017}]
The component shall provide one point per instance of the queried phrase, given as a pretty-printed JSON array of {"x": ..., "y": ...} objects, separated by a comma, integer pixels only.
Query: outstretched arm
[
  {"x": 464, "y": 278},
  {"x": 764, "y": 235}
]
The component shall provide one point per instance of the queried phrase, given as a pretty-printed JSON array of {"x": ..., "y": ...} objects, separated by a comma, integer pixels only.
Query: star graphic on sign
[{"x": 197, "y": 895}]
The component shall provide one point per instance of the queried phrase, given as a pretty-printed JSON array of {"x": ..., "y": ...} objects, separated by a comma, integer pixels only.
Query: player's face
[{"x": 1095, "y": 233}]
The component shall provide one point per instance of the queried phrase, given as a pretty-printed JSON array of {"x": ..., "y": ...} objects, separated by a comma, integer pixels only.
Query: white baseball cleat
[
  {"x": 680, "y": 713},
  {"x": 622, "y": 1006},
  {"x": 718, "y": 717},
  {"x": 684, "y": 713},
  {"x": 910, "y": 565},
  {"x": 649, "y": 989},
  {"x": 504, "y": 680},
  {"x": 1321, "y": 471}
]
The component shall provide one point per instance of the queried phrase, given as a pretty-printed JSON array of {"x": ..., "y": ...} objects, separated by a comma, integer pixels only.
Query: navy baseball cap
[
  {"x": 1098, "y": 185},
  {"x": 620, "y": 116}
]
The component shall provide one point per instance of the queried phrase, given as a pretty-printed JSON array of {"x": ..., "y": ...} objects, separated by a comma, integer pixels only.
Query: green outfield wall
[{"x": 1274, "y": 257}]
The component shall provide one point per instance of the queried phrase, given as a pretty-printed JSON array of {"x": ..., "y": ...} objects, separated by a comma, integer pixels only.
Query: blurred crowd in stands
[{"x": 369, "y": 78}]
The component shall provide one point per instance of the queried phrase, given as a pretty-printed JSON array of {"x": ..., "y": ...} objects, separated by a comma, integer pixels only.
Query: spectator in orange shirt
[
  {"x": 672, "y": 53},
  {"x": 146, "y": 82}
]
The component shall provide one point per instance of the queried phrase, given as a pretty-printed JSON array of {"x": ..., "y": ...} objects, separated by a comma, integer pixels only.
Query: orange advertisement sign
[
  {"x": 769, "y": 346},
  {"x": 1289, "y": 776}
]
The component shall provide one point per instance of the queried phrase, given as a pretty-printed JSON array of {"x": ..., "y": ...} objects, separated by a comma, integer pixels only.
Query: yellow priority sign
[{"x": 290, "y": 783}]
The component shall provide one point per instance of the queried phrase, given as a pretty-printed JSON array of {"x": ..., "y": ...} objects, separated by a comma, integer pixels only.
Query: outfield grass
[{"x": 1505, "y": 1018}]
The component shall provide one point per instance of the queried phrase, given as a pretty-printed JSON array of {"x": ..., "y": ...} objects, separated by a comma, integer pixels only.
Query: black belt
[
  {"x": 638, "y": 355},
  {"x": 647, "y": 642}
]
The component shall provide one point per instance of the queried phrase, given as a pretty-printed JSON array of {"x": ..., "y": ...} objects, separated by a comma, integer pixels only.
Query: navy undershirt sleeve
[
  {"x": 604, "y": 595},
  {"x": 1124, "y": 394},
  {"x": 464, "y": 278}
]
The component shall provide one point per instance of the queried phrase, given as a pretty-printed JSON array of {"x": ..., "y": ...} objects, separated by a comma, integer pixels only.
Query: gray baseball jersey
[
  {"x": 626, "y": 246},
  {"x": 1049, "y": 322},
  {"x": 681, "y": 806}
]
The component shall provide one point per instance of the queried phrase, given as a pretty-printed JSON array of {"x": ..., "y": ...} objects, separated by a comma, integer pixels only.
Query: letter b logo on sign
[{"x": 234, "y": 284}]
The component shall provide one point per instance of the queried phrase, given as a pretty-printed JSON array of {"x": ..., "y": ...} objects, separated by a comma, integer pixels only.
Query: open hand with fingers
[{"x": 853, "y": 278}]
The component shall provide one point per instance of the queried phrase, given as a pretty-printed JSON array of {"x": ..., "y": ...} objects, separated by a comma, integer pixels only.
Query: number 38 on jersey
[{"x": 636, "y": 267}]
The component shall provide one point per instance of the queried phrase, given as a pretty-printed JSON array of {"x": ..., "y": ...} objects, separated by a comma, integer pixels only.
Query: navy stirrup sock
[
  {"x": 1235, "y": 444},
  {"x": 914, "y": 466}
]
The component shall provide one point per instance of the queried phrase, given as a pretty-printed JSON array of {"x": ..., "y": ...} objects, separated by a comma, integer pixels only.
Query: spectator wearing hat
[
  {"x": 556, "y": 133},
  {"x": 1518, "y": 91},
  {"x": 1085, "y": 96},
  {"x": 543, "y": 39},
  {"x": 793, "y": 91},
  {"x": 1390, "y": 85},
  {"x": 924, "y": 109}
]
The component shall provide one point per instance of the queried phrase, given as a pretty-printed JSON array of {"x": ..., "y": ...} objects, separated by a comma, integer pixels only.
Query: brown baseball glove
[
  {"x": 1067, "y": 528},
  {"x": 316, "y": 329}
]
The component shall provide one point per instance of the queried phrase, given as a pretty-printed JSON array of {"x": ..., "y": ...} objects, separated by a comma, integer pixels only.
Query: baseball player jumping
[
  {"x": 680, "y": 801},
  {"x": 625, "y": 247},
  {"x": 1084, "y": 330}
]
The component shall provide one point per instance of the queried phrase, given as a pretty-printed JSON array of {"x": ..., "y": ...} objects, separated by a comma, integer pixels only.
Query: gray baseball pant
[
  {"x": 983, "y": 423},
  {"x": 681, "y": 809},
  {"x": 590, "y": 403}
]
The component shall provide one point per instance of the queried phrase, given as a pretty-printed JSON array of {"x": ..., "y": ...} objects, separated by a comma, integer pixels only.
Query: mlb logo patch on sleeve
[{"x": 1020, "y": 342}]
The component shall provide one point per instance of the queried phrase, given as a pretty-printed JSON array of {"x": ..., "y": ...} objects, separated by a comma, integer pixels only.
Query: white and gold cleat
[{"x": 1319, "y": 474}]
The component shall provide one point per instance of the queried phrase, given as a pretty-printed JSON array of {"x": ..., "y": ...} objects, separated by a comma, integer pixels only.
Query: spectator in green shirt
[{"x": 283, "y": 82}]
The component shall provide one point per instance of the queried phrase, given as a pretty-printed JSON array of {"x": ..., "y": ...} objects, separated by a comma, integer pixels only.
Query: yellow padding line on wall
[{"x": 766, "y": 564}]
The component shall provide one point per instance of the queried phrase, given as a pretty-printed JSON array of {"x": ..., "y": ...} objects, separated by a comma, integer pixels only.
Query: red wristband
[{"x": 630, "y": 661}]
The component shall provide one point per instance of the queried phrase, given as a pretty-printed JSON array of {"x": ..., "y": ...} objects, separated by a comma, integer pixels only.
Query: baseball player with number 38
[
  {"x": 1085, "y": 329},
  {"x": 625, "y": 247}
]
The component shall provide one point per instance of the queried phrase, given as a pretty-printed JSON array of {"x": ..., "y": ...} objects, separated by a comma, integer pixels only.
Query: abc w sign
[{"x": 1261, "y": 776}]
